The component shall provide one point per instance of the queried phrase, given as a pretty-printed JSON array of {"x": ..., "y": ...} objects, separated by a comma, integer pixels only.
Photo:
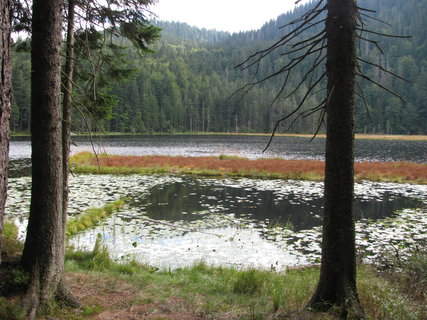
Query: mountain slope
[{"x": 188, "y": 84}]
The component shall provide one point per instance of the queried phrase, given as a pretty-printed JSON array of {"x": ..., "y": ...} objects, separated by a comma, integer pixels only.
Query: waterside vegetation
[
  {"x": 86, "y": 162},
  {"x": 205, "y": 292},
  {"x": 92, "y": 216}
]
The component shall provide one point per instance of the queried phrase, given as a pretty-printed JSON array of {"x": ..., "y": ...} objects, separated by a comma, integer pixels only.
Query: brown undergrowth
[{"x": 234, "y": 166}]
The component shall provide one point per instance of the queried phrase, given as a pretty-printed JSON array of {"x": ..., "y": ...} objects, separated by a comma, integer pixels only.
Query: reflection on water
[{"x": 187, "y": 199}]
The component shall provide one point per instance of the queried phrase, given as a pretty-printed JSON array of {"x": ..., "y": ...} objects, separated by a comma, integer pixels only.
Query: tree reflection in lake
[{"x": 189, "y": 198}]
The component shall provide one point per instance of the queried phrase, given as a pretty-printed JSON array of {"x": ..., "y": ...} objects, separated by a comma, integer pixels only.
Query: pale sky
[{"x": 222, "y": 15}]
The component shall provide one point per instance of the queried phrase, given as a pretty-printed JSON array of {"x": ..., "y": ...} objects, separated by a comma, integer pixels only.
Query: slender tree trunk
[
  {"x": 337, "y": 284},
  {"x": 43, "y": 255},
  {"x": 67, "y": 104},
  {"x": 5, "y": 103}
]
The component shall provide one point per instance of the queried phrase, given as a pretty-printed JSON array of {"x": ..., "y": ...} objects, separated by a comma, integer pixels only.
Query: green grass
[
  {"x": 11, "y": 245},
  {"x": 10, "y": 310},
  {"x": 91, "y": 217},
  {"x": 250, "y": 293},
  {"x": 229, "y": 293},
  {"x": 228, "y": 157},
  {"x": 254, "y": 174},
  {"x": 211, "y": 290}
]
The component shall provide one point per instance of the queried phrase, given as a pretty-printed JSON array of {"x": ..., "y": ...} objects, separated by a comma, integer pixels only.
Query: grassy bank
[
  {"x": 111, "y": 290},
  {"x": 86, "y": 162}
]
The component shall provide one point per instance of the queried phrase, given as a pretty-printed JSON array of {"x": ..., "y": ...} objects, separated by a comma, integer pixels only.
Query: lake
[
  {"x": 250, "y": 146},
  {"x": 174, "y": 221}
]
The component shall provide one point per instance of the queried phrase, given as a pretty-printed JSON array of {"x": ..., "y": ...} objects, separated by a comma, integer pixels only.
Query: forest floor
[
  {"x": 392, "y": 289},
  {"x": 203, "y": 292}
]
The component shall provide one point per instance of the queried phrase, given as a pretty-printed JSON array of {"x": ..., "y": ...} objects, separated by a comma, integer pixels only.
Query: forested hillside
[{"x": 187, "y": 85}]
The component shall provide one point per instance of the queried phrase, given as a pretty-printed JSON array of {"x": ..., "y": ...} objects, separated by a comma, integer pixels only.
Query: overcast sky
[{"x": 222, "y": 15}]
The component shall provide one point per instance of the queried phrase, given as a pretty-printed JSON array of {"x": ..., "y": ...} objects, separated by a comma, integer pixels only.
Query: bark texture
[
  {"x": 67, "y": 103},
  {"x": 5, "y": 103},
  {"x": 337, "y": 283},
  {"x": 43, "y": 255}
]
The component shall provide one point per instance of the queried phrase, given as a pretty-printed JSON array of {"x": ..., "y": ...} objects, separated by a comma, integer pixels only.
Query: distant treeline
[{"x": 187, "y": 85}]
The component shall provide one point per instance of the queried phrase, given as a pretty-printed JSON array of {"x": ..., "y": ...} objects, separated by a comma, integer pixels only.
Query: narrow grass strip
[{"x": 91, "y": 217}]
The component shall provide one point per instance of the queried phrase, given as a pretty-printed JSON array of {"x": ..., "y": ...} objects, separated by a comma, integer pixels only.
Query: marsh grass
[
  {"x": 232, "y": 166},
  {"x": 92, "y": 216}
]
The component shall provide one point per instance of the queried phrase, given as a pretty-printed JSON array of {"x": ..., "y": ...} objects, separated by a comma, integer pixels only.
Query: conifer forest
[{"x": 190, "y": 83}]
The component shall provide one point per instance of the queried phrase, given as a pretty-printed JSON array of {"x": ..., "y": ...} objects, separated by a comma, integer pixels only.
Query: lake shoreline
[{"x": 358, "y": 136}]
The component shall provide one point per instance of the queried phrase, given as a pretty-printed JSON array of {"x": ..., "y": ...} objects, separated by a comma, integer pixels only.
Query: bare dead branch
[
  {"x": 383, "y": 69},
  {"x": 319, "y": 125},
  {"x": 362, "y": 96},
  {"x": 380, "y": 86},
  {"x": 375, "y": 19},
  {"x": 321, "y": 33},
  {"x": 296, "y": 109},
  {"x": 365, "y": 9},
  {"x": 305, "y": 15},
  {"x": 373, "y": 42},
  {"x": 315, "y": 65},
  {"x": 383, "y": 34},
  {"x": 259, "y": 55}
]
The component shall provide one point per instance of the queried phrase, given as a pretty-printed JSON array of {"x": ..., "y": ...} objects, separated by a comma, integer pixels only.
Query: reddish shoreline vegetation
[{"x": 86, "y": 162}]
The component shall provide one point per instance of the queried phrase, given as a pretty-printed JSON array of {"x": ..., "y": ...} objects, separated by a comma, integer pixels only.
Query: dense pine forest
[{"x": 189, "y": 82}]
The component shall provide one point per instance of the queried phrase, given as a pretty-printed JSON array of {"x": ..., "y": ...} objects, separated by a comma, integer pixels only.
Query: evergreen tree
[
  {"x": 43, "y": 256},
  {"x": 5, "y": 103}
]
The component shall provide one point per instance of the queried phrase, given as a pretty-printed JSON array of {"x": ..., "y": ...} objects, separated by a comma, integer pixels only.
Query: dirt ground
[{"x": 120, "y": 300}]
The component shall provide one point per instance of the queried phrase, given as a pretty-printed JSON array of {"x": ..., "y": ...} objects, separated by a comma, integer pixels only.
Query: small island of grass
[{"x": 231, "y": 166}]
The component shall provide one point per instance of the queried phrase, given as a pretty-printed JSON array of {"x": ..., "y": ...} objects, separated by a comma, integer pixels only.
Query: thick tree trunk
[
  {"x": 67, "y": 103},
  {"x": 5, "y": 103},
  {"x": 337, "y": 284},
  {"x": 43, "y": 255}
]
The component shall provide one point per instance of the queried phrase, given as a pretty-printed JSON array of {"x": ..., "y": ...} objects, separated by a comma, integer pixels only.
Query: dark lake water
[
  {"x": 241, "y": 145},
  {"x": 188, "y": 199}
]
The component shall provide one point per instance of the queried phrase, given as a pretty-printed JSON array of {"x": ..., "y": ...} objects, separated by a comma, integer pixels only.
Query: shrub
[
  {"x": 249, "y": 281},
  {"x": 11, "y": 244}
]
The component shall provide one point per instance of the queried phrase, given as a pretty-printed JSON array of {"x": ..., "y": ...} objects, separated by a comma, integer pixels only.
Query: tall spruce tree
[
  {"x": 43, "y": 255},
  {"x": 333, "y": 47},
  {"x": 337, "y": 284},
  {"x": 5, "y": 103}
]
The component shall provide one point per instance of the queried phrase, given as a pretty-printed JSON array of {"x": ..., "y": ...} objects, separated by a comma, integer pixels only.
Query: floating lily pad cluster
[{"x": 226, "y": 225}]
